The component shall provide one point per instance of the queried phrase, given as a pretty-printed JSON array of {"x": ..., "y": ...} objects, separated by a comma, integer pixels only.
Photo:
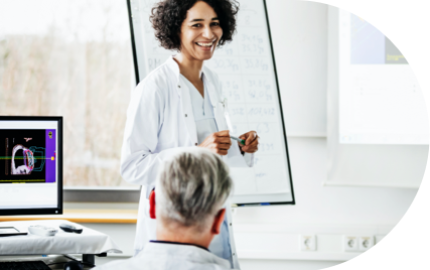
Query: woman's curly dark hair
[{"x": 167, "y": 17}]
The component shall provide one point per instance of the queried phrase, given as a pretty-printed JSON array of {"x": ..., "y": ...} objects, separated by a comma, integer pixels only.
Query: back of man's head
[{"x": 192, "y": 187}]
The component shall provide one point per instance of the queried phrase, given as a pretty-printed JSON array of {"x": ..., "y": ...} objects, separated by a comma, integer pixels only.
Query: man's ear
[
  {"x": 152, "y": 204},
  {"x": 219, "y": 218}
]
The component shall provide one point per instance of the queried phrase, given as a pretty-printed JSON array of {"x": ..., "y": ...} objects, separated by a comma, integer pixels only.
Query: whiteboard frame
[{"x": 140, "y": 72}]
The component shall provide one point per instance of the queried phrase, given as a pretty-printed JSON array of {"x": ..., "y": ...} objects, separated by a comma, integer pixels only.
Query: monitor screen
[{"x": 30, "y": 165}]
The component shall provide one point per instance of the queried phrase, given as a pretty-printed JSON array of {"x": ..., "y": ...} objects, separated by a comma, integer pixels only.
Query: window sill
[
  {"x": 102, "y": 195},
  {"x": 123, "y": 216}
]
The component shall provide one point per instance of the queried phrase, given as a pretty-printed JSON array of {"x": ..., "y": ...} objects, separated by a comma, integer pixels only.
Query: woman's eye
[{"x": 200, "y": 25}]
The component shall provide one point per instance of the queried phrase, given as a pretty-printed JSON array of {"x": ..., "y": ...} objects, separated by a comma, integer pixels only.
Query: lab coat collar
[
  {"x": 213, "y": 96},
  {"x": 174, "y": 67},
  {"x": 184, "y": 95}
]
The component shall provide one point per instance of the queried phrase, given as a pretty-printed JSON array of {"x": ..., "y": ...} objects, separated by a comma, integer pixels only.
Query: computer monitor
[{"x": 31, "y": 165}]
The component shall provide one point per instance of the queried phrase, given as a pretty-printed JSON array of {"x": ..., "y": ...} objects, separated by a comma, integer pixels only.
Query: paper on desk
[{"x": 88, "y": 242}]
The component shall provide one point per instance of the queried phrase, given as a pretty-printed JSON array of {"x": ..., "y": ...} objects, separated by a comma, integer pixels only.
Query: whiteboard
[{"x": 247, "y": 71}]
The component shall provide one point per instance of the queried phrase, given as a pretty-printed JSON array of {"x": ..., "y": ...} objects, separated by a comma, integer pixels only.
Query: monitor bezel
[{"x": 43, "y": 211}]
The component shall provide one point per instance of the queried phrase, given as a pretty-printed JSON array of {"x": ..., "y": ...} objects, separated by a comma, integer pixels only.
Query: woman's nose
[{"x": 208, "y": 33}]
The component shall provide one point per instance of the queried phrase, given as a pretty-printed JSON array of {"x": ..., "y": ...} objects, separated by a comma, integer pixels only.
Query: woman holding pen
[{"x": 179, "y": 104}]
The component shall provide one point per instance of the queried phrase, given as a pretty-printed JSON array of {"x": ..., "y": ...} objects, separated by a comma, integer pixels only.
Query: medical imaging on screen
[{"x": 28, "y": 156}]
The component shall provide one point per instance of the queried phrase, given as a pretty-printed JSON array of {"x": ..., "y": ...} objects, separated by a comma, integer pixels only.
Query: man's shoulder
[
  {"x": 170, "y": 256},
  {"x": 118, "y": 264},
  {"x": 184, "y": 254},
  {"x": 161, "y": 262}
]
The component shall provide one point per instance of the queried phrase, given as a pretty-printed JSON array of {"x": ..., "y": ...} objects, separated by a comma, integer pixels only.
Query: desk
[{"x": 89, "y": 243}]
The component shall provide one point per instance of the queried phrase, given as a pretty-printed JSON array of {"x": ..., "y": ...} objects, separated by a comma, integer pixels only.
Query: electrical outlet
[
  {"x": 308, "y": 242},
  {"x": 365, "y": 242},
  {"x": 350, "y": 243}
]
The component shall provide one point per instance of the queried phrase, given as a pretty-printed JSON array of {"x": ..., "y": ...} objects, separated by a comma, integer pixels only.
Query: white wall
[
  {"x": 328, "y": 205},
  {"x": 299, "y": 33},
  {"x": 268, "y": 236}
]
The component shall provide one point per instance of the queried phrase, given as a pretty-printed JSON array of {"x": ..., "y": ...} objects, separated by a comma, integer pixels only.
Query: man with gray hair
[{"x": 191, "y": 190}]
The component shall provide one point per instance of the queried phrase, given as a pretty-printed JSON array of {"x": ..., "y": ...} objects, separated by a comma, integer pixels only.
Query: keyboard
[{"x": 28, "y": 265}]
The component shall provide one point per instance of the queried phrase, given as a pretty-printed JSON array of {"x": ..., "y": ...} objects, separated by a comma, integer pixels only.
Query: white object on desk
[
  {"x": 41, "y": 230},
  {"x": 89, "y": 242}
]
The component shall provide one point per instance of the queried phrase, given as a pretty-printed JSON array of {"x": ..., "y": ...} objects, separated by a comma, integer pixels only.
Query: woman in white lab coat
[{"x": 179, "y": 104}]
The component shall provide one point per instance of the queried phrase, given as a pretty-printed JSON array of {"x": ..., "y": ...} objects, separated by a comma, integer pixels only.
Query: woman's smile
[{"x": 206, "y": 45}]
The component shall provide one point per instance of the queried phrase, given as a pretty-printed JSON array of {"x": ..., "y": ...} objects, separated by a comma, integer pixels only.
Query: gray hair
[{"x": 191, "y": 187}]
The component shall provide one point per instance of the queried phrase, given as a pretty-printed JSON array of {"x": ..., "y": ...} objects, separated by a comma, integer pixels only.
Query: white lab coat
[
  {"x": 157, "y": 256},
  {"x": 160, "y": 123}
]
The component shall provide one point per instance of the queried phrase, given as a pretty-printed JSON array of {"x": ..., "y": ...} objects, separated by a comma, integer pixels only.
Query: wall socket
[
  {"x": 350, "y": 243},
  {"x": 308, "y": 242},
  {"x": 365, "y": 242}
]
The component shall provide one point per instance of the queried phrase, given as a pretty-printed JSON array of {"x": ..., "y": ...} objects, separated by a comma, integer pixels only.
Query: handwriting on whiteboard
[{"x": 261, "y": 111}]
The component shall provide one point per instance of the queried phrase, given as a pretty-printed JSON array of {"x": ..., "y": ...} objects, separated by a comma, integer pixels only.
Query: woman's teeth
[{"x": 204, "y": 44}]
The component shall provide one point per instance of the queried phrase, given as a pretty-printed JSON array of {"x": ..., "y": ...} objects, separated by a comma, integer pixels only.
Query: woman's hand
[
  {"x": 218, "y": 142},
  {"x": 251, "y": 142}
]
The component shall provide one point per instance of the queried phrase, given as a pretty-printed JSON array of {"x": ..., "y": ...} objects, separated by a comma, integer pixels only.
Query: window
[{"x": 73, "y": 59}]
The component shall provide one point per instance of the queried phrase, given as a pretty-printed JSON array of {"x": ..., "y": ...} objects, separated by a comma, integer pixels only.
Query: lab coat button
[
  {"x": 186, "y": 115},
  {"x": 179, "y": 86},
  {"x": 196, "y": 144}
]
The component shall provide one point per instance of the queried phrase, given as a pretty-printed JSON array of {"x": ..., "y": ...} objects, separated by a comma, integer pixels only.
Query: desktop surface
[{"x": 88, "y": 242}]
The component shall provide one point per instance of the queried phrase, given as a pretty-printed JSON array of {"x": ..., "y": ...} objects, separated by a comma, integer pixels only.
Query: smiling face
[{"x": 200, "y": 32}]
